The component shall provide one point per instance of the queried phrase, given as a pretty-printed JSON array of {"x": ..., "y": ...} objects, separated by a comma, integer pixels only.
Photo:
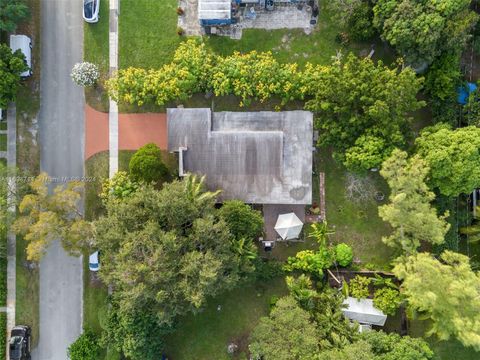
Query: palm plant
[
  {"x": 320, "y": 232},
  {"x": 195, "y": 190}
]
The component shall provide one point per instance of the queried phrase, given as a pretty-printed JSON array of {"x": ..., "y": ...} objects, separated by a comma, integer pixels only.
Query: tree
[
  {"x": 444, "y": 26},
  {"x": 167, "y": 248},
  {"x": 445, "y": 290},
  {"x": 11, "y": 13},
  {"x": 86, "y": 347},
  {"x": 47, "y": 217},
  {"x": 453, "y": 157},
  {"x": 395, "y": 347},
  {"x": 85, "y": 74},
  {"x": 359, "y": 350},
  {"x": 409, "y": 211},
  {"x": 147, "y": 165},
  {"x": 367, "y": 153},
  {"x": 242, "y": 220},
  {"x": 443, "y": 77},
  {"x": 355, "y": 98},
  {"x": 11, "y": 66},
  {"x": 288, "y": 333}
]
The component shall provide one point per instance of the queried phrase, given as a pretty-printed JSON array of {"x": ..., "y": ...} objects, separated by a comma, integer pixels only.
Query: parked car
[
  {"x": 93, "y": 262},
  {"x": 19, "y": 345},
  {"x": 90, "y": 10},
  {"x": 24, "y": 44}
]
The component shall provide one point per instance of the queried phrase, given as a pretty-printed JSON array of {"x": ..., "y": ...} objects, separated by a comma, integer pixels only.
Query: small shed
[
  {"x": 363, "y": 312},
  {"x": 215, "y": 12}
]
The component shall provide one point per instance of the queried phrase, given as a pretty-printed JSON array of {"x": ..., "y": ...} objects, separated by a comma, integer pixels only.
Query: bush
[
  {"x": 85, "y": 74},
  {"x": 180, "y": 11},
  {"x": 443, "y": 77},
  {"x": 180, "y": 31},
  {"x": 368, "y": 152},
  {"x": 343, "y": 254},
  {"x": 86, "y": 347},
  {"x": 360, "y": 24},
  {"x": 387, "y": 299},
  {"x": 266, "y": 270},
  {"x": 358, "y": 287},
  {"x": 242, "y": 220},
  {"x": 311, "y": 262},
  {"x": 119, "y": 186},
  {"x": 147, "y": 165}
]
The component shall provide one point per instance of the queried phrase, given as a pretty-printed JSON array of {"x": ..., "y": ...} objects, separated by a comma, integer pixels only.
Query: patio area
[{"x": 271, "y": 213}]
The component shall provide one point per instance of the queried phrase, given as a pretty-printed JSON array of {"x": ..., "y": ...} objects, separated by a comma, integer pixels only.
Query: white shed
[
  {"x": 363, "y": 312},
  {"x": 215, "y": 12}
]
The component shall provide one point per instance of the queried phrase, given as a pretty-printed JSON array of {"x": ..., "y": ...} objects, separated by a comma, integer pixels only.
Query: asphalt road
[{"x": 61, "y": 131}]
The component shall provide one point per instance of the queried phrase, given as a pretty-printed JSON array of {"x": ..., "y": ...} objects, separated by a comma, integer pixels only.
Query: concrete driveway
[{"x": 61, "y": 128}]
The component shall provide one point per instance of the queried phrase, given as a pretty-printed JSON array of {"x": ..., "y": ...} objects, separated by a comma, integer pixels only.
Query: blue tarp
[{"x": 464, "y": 92}]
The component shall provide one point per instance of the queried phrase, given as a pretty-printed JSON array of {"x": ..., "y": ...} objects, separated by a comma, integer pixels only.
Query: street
[{"x": 61, "y": 132}]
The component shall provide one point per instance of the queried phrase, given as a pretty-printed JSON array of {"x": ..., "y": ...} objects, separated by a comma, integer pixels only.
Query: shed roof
[
  {"x": 363, "y": 311},
  {"x": 214, "y": 9},
  {"x": 258, "y": 157}
]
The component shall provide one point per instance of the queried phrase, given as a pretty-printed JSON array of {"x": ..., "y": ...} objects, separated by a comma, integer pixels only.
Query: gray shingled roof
[{"x": 258, "y": 157}]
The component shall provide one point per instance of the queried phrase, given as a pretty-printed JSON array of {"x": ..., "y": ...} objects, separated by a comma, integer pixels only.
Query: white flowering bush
[{"x": 85, "y": 74}]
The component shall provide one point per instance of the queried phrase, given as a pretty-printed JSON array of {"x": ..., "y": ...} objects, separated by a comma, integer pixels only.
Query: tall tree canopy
[
  {"x": 359, "y": 99},
  {"x": 409, "y": 211},
  {"x": 453, "y": 157},
  {"x": 288, "y": 333},
  {"x": 445, "y": 290},
  {"x": 423, "y": 29},
  {"x": 168, "y": 249},
  {"x": 11, "y": 66},
  {"x": 11, "y": 13},
  {"x": 45, "y": 217},
  {"x": 242, "y": 220}
]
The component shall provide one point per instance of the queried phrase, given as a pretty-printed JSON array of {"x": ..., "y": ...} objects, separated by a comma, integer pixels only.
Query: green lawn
[
  {"x": 356, "y": 220},
  {"x": 205, "y": 336},
  {"x": 147, "y": 33},
  {"x": 3, "y": 142},
  {"x": 95, "y": 50},
  {"x": 3, "y": 124}
]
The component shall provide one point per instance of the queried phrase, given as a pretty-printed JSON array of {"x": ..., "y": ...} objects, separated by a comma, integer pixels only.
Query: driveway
[{"x": 61, "y": 131}]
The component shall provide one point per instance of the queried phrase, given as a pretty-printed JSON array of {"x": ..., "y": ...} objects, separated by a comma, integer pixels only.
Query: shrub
[
  {"x": 311, "y": 262},
  {"x": 119, "y": 186},
  {"x": 387, "y": 299},
  {"x": 266, "y": 270},
  {"x": 242, "y": 220},
  {"x": 368, "y": 152},
  {"x": 180, "y": 31},
  {"x": 86, "y": 347},
  {"x": 443, "y": 77},
  {"x": 85, "y": 74},
  {"x": 180, "y": 11},
  {"x": 147, "y": 165},
  {"x": 343, "y": 254},
  {"x": 360, "y": 23},
  {"x": 358, "y": 287}
]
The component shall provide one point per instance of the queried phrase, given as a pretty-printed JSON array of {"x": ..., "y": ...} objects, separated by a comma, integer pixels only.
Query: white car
[
  {"x": 93, "y": 262},
  {"x": 90, "y": 10},
  {"x": 24, "y": 44}
]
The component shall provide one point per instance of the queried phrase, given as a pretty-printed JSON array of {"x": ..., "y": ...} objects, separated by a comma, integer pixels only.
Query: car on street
[
  {"x": 24, "y": 44},
  {"x": 93, "y": 262},
  {"x": 19, "y": 346},
  {"x": 91, "y": 9}
]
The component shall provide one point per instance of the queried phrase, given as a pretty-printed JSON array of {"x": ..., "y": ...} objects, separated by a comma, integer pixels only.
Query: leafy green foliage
[
  {"x": 357, "y": 98},
  {"x": 242, "y": 220},
  {"x": 443, "y": 76},
  {"x": 409, "y": 212},
  {"x": 367, "y": 153},
  {"x": 359, "y": 287},
  {"x": 360, "y": 23},
  {"x": 395, "y": 347},
  {"x": 11, "y": 13},
  {"x": 137, "y": 333},
  {"x": 310, "y": 261},
  {"x": 168, "y": 248},
  {"x": 444, "y": 26},
  {"x": 147, "y": 165},
  {"x": 11, "y": 66},
  {"x": 119, "y": 186},
  {"x": 86, "y": 347},
  {"x": 343, "y": 254},
  {"x": 447, "y": 291},
  {"x": 288, "y": 333},
  {"x": 359, "y": 350},
  {"x": 453, "y": 157},
  {"x": 320, "y": 232},
  {"x": 46, "y": 217},
  {"x": 472, "y": 109},
  {"x": 387, "y": 299}
]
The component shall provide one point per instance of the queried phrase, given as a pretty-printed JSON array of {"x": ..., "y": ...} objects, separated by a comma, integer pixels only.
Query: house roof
[
  {"x": 214, "y": 9},
  {"x": 363, "y": 311},
  {"x": 258, "y": 157}
]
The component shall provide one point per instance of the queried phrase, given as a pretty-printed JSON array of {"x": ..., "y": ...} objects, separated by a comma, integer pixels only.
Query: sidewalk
[{"x": 113, "y": 61}]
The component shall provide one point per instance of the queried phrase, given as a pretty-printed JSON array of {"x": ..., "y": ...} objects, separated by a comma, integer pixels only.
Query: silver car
[{"x": 90, "y": 10}]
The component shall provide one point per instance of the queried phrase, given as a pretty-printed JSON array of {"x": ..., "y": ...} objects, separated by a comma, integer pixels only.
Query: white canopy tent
[
  {"x": 288, "y": 226},
  {"x": 363, "y": 312}
]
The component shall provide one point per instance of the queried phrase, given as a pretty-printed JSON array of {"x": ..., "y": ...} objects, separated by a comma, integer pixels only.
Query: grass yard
[
  {"x": 148, "y": 33},
  {"x": 356, "y": 220},
  {"x": 3, "y": 124},
  {"x": 3, "y": 142},
  {"x": 205, "y": 336},
  {"x": 3, "y": 335},
  {"x": 95, "y": 50}
]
